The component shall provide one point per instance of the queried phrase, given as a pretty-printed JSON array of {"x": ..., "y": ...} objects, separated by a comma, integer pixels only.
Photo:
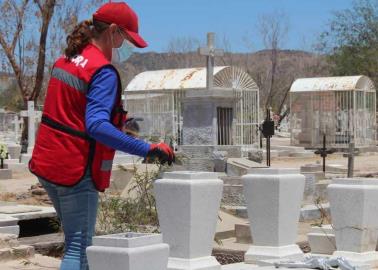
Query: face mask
[
  {"x": 122, "y": 53},
  {"x": 125, "y": 51}
]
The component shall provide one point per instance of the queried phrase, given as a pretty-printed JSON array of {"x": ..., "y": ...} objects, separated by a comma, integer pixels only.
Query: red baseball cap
[{"x": 123, "y": 16}]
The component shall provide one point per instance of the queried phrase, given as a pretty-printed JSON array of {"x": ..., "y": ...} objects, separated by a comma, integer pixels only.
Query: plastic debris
[{"x": 318, "y": 263}]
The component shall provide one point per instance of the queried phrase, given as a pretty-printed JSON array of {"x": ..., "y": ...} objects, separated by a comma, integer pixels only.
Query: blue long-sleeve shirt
[{"x": 101, "y": 97}]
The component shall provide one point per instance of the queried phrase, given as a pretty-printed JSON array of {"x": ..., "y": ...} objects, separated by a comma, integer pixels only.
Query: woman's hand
[{"x": 162, "y": 152}]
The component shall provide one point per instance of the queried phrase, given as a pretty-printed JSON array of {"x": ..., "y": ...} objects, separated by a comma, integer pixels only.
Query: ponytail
[
  {"x": 78, "y": 39},
  {"x": 82, "y": 35}
]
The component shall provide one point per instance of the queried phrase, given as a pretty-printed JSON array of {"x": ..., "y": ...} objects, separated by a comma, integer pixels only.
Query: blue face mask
[{"x": 124, "y": 52}]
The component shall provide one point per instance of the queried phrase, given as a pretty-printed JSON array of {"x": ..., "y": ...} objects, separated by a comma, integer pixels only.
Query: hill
[{"x": 290, "y": 65}]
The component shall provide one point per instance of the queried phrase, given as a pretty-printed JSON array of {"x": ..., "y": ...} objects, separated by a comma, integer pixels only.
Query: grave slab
[
  {"x": 129, "y": 251},
  {"x": 240, "y": 166},
  {"x": 273, "y": 199},
  {"x": 27, "y": 212},
  {"x": 10, "y": 230},
  {"x": 312, "y": 211},
  {"x": 6, "y": 220},
  {"x": 187, "y": 204}
]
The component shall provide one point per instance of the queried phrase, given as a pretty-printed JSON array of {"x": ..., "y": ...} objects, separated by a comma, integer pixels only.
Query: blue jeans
[{"x": 76, "y": 208}]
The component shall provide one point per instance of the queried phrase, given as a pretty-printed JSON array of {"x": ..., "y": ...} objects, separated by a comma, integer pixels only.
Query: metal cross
[{"x": 210, "y": 51}]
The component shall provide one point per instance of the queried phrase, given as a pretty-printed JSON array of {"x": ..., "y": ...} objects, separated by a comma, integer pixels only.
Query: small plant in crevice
[
  {"x": 324, "y": 218},
  {"x": 135, "y": 213}
]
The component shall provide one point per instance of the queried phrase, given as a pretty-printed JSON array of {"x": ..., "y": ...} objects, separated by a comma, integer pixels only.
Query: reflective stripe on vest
[
  {"x": 69, "y": 79},
  {"x": 106, "y": 165}
]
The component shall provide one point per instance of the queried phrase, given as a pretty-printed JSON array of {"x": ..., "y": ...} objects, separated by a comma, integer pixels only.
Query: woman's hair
[{"x": 82, "y": 35}]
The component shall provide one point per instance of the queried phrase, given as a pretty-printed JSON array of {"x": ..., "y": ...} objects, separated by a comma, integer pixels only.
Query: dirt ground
[
  {"x": 38, "y": 262},
  {"x": 18, "y": 189}
]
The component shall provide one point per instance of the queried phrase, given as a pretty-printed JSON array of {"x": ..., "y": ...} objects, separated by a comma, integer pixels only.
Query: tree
[
  {"x": 273, "y": 30},
  {"x": 15, "y": 18},
  {"x": 352, "y": 40},
  {"x": 28, "y": 45},
  {"x": 184, "y": 50}
]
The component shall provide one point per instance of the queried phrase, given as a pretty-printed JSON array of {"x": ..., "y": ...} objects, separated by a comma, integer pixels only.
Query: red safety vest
[{"x": 63, "y": 150}]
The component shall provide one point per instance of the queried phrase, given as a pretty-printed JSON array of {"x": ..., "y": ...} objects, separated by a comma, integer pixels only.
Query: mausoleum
[
  {"x": 342, "y": 108},
  {"x": 158, "y": 96}
]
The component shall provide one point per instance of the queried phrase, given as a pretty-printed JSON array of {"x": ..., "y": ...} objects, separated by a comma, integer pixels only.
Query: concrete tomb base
[
  {"x": 256, "y": 254},
  {"x": 208, "y": 263},
  {"x": 128, "y": 251}
]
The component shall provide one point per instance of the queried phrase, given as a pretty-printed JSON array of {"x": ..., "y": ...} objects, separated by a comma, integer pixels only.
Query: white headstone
[
  {"x": 188, "y": 205},
  {"x": 274, "y": 199},
  {"x": 354, "y": 208}
]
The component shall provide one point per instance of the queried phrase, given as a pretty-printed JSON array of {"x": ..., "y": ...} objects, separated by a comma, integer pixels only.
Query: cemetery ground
[{"x": 232, "y": 238}]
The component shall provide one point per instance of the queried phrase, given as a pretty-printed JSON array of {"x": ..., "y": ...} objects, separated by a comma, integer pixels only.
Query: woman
[{"x": 81, "y": 124}]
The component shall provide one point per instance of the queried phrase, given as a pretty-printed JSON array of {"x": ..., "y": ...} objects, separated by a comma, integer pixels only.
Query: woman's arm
[{"x": 101, "y": 98}]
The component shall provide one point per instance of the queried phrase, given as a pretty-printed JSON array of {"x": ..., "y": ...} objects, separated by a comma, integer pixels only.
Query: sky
[{"x": 163, "y": 20}]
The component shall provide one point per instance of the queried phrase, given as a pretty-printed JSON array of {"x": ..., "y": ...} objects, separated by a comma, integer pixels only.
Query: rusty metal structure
[
  {"x": 342, "y": 108},
  {"x": 156, "y": 97}
]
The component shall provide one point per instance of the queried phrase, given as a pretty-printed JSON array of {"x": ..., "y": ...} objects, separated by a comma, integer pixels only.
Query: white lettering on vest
[{"x": 80, "y": 60}]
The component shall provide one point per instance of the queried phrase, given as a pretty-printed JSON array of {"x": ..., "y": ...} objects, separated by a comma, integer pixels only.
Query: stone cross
[
  {"x": 16, "y": 123},
  {"x": 210, "y": 51},
  {"x": 32, "y": 115}
]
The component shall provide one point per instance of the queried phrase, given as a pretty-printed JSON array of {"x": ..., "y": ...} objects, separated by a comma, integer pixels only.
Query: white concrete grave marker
[
  {"x": 128, "y": 251},
  {"x": 188, "y": 204},
  {"x": 354, "y": 210},
  {"x": 274, "y": 199},
  {"x": 33, "y": 116}
]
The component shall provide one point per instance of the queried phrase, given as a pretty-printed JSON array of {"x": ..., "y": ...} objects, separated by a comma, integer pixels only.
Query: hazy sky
[{"x": 163, "y": 20}]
